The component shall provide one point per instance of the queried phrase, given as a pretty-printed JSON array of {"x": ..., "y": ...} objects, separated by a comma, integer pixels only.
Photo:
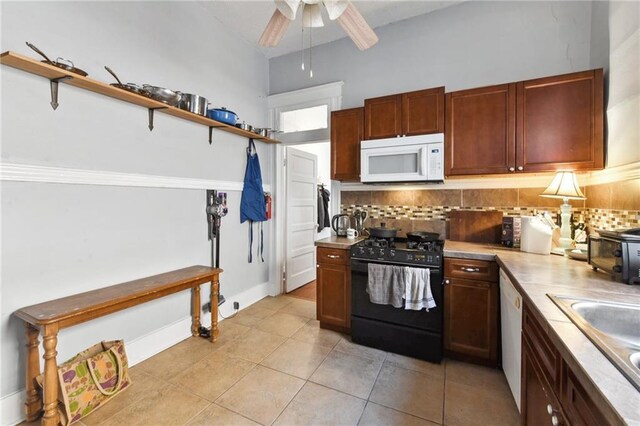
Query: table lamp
[{"x": 565, "y": 186}]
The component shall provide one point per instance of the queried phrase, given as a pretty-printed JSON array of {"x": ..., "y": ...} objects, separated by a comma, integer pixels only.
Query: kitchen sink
[{"x": 612, "y": 326}]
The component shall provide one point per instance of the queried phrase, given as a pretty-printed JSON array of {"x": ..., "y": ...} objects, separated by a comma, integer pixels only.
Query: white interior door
[{"x": 301, "y": 221}]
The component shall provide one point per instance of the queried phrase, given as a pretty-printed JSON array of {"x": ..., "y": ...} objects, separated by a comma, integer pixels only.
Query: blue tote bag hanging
[{"x": 252, "y": 204}]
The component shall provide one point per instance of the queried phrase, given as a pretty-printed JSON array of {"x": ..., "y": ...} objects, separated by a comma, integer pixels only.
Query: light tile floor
[{"x": 274, "y": 365}]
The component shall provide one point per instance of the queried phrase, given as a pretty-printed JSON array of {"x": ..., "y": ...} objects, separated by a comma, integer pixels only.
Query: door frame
[{"x": 332, "y": 91}]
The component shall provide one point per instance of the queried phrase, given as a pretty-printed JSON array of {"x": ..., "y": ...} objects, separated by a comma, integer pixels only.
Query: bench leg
[
  {"x": 50, "y": 340},
  {"x": 215, "y": 288},
  {"x": 195, "y": 311},
  {"x": 33, "y": 404}
]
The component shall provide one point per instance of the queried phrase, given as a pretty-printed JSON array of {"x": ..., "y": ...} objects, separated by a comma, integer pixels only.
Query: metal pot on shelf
[{"x": 193, "y": 103}]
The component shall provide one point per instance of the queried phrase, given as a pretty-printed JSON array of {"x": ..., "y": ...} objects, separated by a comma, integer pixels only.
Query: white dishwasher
[{"x": 511, "y": 310}]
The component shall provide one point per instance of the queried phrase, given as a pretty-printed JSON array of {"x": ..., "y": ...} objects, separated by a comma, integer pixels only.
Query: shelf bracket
[
  {"x": 54, "y": 90},
  {"x": 151, "y": 116},
  {"x": 210, "y": 134}
]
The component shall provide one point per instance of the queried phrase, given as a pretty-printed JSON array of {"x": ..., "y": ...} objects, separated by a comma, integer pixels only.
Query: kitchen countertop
[
  {"x": 338, "y": 242},
  {"x": 536, "y": 275}
]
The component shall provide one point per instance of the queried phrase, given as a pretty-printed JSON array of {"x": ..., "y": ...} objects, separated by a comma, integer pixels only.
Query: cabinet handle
[
  {"x": 550, "y": 409},
  {"x": 520, "y": 168},
  {"x": 446, "y": 282},
  {"x": 467, "y": 269},
  {"x": 555, "y": 421},
  {"x": 333, "y": 256},
  {"x": 512, "y": 169}
]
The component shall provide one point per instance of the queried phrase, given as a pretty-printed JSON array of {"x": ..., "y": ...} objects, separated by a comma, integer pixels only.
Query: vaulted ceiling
[{"x": 249, "y": 18}]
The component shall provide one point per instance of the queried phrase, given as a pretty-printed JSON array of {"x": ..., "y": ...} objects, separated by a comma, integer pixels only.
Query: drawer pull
[
  {"x": 333, "y": 256},
  {"x": 467, "y": 269}
]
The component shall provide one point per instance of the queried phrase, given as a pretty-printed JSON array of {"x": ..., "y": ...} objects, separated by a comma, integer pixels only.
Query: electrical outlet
[
  {"x": 206, "y": 307},
  {"x": 236, "y": 306},
  {"x": 221, "y": 300}
]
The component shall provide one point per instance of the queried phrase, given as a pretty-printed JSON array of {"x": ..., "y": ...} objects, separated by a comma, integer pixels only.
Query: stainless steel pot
[
  {"x": 130, "y": 87},
  {"x": 193, "y": 103},
  {"x": 161, "y": 94},
  {"x": 62, "y": 63},
  {"x": 244, "y": 126},
  {"x": 264, "y": 132}
]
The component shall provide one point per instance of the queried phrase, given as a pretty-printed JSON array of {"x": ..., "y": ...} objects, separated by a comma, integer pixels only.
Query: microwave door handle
[{"x": 424, "y": 162}]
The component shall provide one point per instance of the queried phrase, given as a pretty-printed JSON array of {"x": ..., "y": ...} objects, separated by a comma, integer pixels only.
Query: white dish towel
[{"x": 418, "y": 289}]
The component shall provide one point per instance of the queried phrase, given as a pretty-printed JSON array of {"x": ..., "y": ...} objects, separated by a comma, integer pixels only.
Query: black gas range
[
  {"x": 400, "y": 251},
  {"x": 407, "y": 332}
]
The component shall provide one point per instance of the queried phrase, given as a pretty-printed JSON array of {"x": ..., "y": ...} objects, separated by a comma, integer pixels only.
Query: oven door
[{"x": 417, "y": 334}]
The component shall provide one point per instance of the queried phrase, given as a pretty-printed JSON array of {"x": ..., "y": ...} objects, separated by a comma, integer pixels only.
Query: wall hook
[{"x": 54, "y": 90}]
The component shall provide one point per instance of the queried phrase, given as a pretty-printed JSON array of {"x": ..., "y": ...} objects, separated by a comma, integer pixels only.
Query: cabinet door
[
  {"x": 334, "y": 296},
  {"x": 577, "y": 403},
  {"x": 536, "y": 393},
  {"x": 480, "y": 131},
  {"x": 560, "y": 123},
  {"x": 471, "y": 319},
  {"x": 346, "y": 134},
  {"x": 423, "y": 112},
  {"x": 383, "y": 117}
]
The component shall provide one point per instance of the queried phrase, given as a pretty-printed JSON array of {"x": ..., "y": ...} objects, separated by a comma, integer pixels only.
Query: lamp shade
[{"x": 564, "y": 185}]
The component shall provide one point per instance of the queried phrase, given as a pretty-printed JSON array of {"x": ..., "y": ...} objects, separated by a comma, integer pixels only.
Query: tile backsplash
[{"x": 608, "y": 206}]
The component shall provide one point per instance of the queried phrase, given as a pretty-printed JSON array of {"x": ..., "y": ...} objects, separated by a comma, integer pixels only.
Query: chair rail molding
[{"x": 47, "y": 174}]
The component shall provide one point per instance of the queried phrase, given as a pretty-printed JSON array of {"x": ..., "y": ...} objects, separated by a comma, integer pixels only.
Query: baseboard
[
  {"x": 148, "y": 345},
  {"x": 12, "y": 408}
]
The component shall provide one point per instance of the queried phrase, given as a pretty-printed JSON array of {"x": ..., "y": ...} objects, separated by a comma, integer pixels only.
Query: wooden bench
[{"x": 50, "y": 317}]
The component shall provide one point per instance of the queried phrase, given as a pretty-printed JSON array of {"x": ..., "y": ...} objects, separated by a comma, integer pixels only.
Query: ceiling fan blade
[
  {"x": 288, "y": 8},
  {"x": 274, "y": 31},
  {"x": 335, "y": 8},
  {"x": 357, "y": 28}
]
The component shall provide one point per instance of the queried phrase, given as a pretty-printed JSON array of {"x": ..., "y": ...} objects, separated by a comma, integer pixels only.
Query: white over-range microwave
[{"x": 406, "y": 159}]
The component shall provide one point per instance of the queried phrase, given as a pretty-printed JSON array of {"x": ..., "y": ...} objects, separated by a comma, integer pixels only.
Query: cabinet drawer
[
  {"x": 544, "y": 350},
  {"x": 334, "y": 256},
  {"x": 481, "y": 270}
]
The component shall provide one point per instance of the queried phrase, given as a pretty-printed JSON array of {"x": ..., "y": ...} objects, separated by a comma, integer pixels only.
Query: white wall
[
  {"x": 473, "y": 44},
  {"x": 323, "y": 151},
  {"x": 60, "y": 239},
  {"x": 623, "y": 108}
]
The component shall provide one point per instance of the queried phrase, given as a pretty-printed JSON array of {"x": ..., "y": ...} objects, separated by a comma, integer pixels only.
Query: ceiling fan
[{"x": 344, "y": 11}]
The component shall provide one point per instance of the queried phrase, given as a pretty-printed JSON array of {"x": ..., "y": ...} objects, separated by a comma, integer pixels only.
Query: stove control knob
[
  {"x": 381, "y": 252},
  {"x": 392, "y": 253},
  {"x": 371, "y": 252}
]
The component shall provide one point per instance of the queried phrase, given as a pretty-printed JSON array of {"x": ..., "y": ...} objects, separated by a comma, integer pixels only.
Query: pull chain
[
  {"x": 310, "y": 50},
  {"x": 302, "y": 67}
]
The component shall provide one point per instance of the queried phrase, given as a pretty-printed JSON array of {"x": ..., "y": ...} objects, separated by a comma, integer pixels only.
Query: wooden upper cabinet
[
  {"x": 383, "y": 117},
  {"x": 480, "y": 130},
  {"x": 406, "y": 114},
  {"x": 346, "y": 134},
  {"x": 560, "y": 123},
  {"x": 423, "y": 112}
]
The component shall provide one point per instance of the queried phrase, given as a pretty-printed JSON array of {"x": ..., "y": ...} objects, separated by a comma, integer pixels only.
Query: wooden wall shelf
[{"x": 55, "y": 74}]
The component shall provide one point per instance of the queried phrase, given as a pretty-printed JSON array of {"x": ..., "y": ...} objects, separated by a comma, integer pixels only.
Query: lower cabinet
[
  {"x": 333, "y": 283},
  {"x": 551, "y": 392},
  {"x": 471, "y": 310}
]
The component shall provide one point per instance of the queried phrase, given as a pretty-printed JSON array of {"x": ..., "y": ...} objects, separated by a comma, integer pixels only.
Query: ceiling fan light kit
[{"x": 343, "y": 11}]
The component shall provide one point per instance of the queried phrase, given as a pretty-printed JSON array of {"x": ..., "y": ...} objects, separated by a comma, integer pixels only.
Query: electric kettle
[{"x": 340, "y": 223}]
